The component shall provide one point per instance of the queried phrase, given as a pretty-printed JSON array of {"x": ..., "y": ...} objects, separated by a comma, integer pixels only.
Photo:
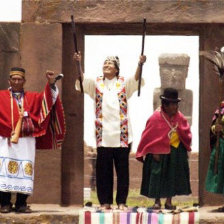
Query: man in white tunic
[
  {"x": 25, "y": 124},
  {"x": 113, "y": 129}
]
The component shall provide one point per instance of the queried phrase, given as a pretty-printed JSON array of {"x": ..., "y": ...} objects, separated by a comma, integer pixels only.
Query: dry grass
[{"x": 135, "y": 199}]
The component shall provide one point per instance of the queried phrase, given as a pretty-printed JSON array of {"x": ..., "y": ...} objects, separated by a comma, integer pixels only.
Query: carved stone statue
[{"x": 173, "y": 73}]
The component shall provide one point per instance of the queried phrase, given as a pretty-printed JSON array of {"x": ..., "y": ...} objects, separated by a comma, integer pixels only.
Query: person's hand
[
  {"x": 77, "y": 56},
  {"x": 50, "y": 77},
  {"x": 142, "y": 59},
  {"x": 156, "y": 157},
  {"x": 218, "y": 127}
]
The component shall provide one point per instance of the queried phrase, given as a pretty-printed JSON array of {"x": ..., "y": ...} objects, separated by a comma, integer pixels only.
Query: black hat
[{"x": 170, "y": 95}]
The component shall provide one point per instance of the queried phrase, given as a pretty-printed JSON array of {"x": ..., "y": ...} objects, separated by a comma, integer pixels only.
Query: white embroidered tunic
[{"x": 112, "y": 112}]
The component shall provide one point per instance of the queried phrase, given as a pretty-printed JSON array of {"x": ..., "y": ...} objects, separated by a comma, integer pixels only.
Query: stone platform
[
  {"x": 210, "y": 215},
  {"x": 56, "y": 214},
  {"x": 44, "y": 214}
]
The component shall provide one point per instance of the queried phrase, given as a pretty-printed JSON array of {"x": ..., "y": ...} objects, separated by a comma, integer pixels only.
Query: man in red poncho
[
  {"x": 163, "y": 150},
  {"x": 28, "y": 121}
]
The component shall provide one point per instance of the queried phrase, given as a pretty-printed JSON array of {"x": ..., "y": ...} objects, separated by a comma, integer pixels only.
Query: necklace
[{"x": 172, "y": 128}]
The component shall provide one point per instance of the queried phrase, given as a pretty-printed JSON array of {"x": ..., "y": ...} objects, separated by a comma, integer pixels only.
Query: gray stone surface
[
  {"x": 44, "y": 214},
  {"x": 41, "y": 49},
  {"x": 9, "y": 50},
  {"x": 210, "y": 215},
  {"x": 211, "y": 38},
  {"x": 95, "y": 11},
  {"x": 173, "y": 73},
  {"x": 173, "y": 70}
]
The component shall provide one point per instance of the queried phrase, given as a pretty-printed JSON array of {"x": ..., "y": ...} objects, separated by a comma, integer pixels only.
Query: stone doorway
[{"x": 72, "y": 157}]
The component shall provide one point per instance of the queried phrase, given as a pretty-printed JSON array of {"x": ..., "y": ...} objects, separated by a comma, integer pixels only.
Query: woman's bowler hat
[{"x": 170, "y": 95}]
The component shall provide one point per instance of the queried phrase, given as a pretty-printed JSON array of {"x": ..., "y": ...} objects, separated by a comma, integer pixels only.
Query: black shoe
[
  {"x": 23, "y": 209},
  {"x": 6, "y": 209},
  {"x": 89, "y": 204},
  {"x": 170, "y": 207}
]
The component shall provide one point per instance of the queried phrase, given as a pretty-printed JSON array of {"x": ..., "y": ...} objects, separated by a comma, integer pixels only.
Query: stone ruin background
[
  {"x": 43, "y": 40},
  {"x": 173, "y": 73}
]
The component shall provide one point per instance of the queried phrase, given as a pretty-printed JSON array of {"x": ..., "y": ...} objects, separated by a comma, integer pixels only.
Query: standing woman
[
  {"x": 215, "y": 178},
  {"x": 110, "y": 93},
  {"x": 163, "y": 150}
]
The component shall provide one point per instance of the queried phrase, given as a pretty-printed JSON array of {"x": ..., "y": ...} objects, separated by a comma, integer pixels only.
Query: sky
[
  {"x": 128, "y": 49},
  {"x": 10, "y": 10}
]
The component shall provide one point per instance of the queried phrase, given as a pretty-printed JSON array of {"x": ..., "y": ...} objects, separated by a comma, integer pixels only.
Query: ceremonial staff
[
  {"x": 76, "y": 50},
  {"x": 141, "y": 64},
  {"x": 217, "y": 59}
]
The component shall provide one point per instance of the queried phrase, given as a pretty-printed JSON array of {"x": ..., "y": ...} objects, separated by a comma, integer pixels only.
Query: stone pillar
[
  {"x": 9, "y": 50},
  {"x": 211, "y": 38},
  {"x": 73, "y": 153},
  {"x": 41, "y": 49},
  {"x": 173, "y": 73}
]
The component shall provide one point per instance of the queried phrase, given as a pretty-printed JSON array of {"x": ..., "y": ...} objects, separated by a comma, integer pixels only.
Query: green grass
[{"x": 135, "y": 199}]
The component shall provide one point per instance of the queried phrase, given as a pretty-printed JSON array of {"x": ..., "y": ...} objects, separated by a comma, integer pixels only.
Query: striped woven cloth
[{"x": 88, "y": 217}]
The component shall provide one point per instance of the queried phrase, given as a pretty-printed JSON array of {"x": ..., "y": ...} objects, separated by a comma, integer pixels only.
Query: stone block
[
  {"x": 9, "y": 50},
  {"x": 131, "y": 11},
  {"x": 41, "y": 49}
]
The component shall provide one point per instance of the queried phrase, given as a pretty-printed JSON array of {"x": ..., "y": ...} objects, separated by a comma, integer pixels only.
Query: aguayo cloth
[
  {"x": 156, "y": 136},
  {"x": 113, "y": 128},
  {"x": 88, "y": 217},
  {"x": 43, "y": 127},
  {"x": 47, "y": 118}
]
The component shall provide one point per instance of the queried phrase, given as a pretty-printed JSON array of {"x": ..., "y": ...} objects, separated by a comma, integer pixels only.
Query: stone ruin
[
  {"x": 43, "y": 40},
  {"x": 173, "y": 73}
]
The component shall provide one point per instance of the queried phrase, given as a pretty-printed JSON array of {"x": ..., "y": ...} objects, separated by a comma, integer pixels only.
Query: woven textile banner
[{"x": 88, "y": 217}]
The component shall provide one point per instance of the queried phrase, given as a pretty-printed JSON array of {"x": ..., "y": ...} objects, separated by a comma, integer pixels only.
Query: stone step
[
  {"x": 210, "y": 215},
  {"x": 44, "y": 214}
]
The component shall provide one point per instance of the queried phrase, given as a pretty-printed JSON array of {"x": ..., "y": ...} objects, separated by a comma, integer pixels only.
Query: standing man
[
  {"x": 28, "y": 120},
  {"x": 163, "y": 146},
  {"x": 113, "y": 130}
]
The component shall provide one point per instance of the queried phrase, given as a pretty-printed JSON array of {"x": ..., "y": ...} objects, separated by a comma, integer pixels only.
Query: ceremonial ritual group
[{"x": 30, "y": 121}]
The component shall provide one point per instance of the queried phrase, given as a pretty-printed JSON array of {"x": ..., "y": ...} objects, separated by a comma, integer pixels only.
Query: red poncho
[
  {"x": 48, "y": 119},
  {"x": 155, "y": 138}
]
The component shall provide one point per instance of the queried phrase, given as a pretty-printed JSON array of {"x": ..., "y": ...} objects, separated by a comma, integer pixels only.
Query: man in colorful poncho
[
  {"x": 113, "y": 130},
  {"x": 28, "y": 121},
  {"x": 163, "y": 150}
]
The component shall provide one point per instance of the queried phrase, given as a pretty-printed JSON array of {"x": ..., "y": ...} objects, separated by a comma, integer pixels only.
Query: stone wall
[
  {"x": 44, "y": 41},
  {"x": 102, "y": 11},
  {"x": 9, "y": 50}
]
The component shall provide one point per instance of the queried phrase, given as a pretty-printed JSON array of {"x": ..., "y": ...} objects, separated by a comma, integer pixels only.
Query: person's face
[
  {"x": 16, "y": 82},
  {"x": 109, "y": 69},
  {"x": 171, "y": 109}
]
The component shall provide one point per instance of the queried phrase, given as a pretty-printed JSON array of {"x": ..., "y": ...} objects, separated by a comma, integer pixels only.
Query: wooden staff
[
  {"x": 76, "y": 50},
  {"x": 142, "y": 52}
]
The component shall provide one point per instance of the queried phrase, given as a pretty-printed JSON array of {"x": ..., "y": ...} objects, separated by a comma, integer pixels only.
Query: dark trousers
[
  {"x": 20, "y": 199},
  {"x": 104, "y": 174}
]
